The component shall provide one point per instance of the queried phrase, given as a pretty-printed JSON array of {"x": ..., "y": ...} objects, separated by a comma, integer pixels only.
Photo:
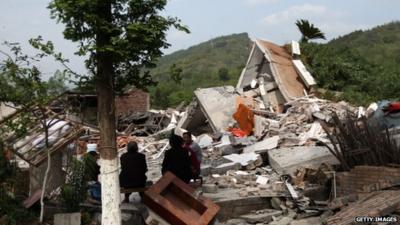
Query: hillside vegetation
[
  {"x": 363, "y": 65},
  {"x": 213, "y": 63}
]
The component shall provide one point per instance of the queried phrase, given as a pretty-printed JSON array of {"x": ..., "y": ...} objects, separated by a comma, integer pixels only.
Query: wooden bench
[{"x": 132, "y": 190}]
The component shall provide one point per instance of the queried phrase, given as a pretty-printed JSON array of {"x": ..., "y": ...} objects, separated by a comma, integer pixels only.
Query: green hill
[
  {"x": 212, "y": 63},
  {"x": 364, "y": 65},
  {"x": 379, "y": 45}
]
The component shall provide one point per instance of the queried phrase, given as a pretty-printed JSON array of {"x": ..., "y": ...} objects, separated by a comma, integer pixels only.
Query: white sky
[{"x": 267, "y": 19}]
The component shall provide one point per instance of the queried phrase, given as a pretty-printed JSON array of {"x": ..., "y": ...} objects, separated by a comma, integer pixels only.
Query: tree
[
  {"x": 21, "y": 85},
  {"x": 223, "y": 74},
  {"x": 56, "y": 83},
  {"x": 175, "y": 73},
  {"x": 308, "y": 31},
  {"x": 122, "y": 39}
]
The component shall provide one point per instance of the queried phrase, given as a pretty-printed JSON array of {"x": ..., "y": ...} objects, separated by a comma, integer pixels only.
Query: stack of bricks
[
  {"x": 365, "y": 179},
  {"x": 379, "y": 203},
  {"x": 134, "y": 100}
]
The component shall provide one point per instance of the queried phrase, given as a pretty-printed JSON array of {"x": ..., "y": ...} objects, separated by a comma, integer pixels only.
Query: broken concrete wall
[
  {"x": 193, "y": 120},
  {"x": 56, "y": 175},
  {"x": 251, "y": 70},
  {"x": 218, "y": 105}
]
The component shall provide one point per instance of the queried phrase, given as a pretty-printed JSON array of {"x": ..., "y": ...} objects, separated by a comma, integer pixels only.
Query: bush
[{"x": 74, "y": 190}]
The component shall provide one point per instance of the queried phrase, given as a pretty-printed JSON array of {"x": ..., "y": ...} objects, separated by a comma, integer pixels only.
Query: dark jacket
[
  {"x": 177, "y": 161},
  {"x": 92, "y": 170},
  {"x": 134, "y": 168}
]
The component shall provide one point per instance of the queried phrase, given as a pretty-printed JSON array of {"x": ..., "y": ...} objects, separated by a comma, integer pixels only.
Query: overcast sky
[{"x": 267, "y": 19}]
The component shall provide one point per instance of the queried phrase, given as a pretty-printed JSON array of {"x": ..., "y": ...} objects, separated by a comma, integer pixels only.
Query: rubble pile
[
  {"x": 146, "y": 123},
  {"x": 266, "y": 156}
]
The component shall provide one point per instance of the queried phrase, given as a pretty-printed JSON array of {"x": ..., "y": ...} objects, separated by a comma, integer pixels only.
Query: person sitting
[
  {"x": 92, "y": 171},
  {"x": 176, "y": 160},
  {"x": 133, "y": 169},
  {"x": 194, "y": 152}
]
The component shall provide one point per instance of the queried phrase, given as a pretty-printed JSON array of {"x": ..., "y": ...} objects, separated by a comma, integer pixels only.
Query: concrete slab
[
  {"x": 263, "y": 217},
  {"x": 223, "y": 168},
  {"x": 307, "y": 221},
  {"x": 288, "y": 160},
  {"x": 263, "y": 146},
  {"x": 218, "y": 105},
  {"x": 204, "y": 140},
  {"x": 67, "y": 219},
  {"x": 244, "y": 159}
]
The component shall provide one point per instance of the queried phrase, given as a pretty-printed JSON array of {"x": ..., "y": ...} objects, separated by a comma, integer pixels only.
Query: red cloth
[
  {"x": 237, "y": 132},
  {"x": 392, "y": 107},
  {"x": 245, "y": 119},
  {"x": 195, "y": 163}
]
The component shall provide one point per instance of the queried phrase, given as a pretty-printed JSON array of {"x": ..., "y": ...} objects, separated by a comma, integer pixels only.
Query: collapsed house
[{"x": 270, "y": 156}]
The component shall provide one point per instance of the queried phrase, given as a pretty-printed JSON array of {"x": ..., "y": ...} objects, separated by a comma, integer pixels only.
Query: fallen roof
[
  {"x": 30, "y": 146},
  {"x": 283, "y": 70}
]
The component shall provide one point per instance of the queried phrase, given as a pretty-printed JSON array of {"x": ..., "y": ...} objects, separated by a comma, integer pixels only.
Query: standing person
[
  {"x": 195, "y": 153},
  {"x": 133, "y": 169},
  {"x": 176, "y": 160}
]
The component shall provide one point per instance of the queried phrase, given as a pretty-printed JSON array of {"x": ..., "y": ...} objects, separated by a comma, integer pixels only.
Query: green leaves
[
  {"x": 308, "y": 31},
  {"x": 136, "y": 29}
]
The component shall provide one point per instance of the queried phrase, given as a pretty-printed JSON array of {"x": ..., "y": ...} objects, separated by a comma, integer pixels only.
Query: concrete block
[
  {"x": 204, "y": 140},
  {"x": 288, "y": 160},
  {"x": 206, "y": 170},
  {"x": 223, "y": 168},
  {"x": 307, "y": 221},
  {"x": 263, "y": 146},
  {"x": 218, "y": 105},
  {"x": 67, "y": 219},
  {"x": 209, "y": 188},
  {"x": 263, "y": 217},
  {"x": 283, "y": 221},
  {"x": 226, "y": 149},
  {"x": 244, "y": 159}
]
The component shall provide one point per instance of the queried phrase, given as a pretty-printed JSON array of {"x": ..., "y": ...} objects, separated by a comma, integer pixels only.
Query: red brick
[{"x": 134, "y": 100}]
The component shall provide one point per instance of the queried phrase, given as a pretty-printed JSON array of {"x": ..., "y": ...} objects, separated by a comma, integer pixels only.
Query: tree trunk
[
  {"x": 46, "y": 175},
  {"x": 110, "y": 193}
]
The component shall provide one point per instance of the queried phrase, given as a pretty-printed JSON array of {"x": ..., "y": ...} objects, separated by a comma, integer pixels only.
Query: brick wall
[
  {"x": 135, "y": 100},
  {"x": 365, "y": 179},
  {"x": 378, "y": 203}
]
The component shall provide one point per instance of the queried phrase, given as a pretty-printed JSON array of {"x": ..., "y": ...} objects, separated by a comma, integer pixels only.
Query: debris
[
  {"x": 218, "y": 106},
  {"x": 264, "y": 145},
  {"x": 262, "y": 180},
  {"x": 378, "y": 203},
  {"x": 67, "y": 219},
  {"x": 209, "y": 188},
  {"x": 307, "y": 221},
  {"x": 365, "y": 179},
  {"x": 287, "y": 160},
  {"x": 173, "y": 200},
  {"x": 204, "y": 141},
  {"x": 261, "y": 216},
  {"x": 245, "y": 159},
  {"x": 291, "y": 190}
]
